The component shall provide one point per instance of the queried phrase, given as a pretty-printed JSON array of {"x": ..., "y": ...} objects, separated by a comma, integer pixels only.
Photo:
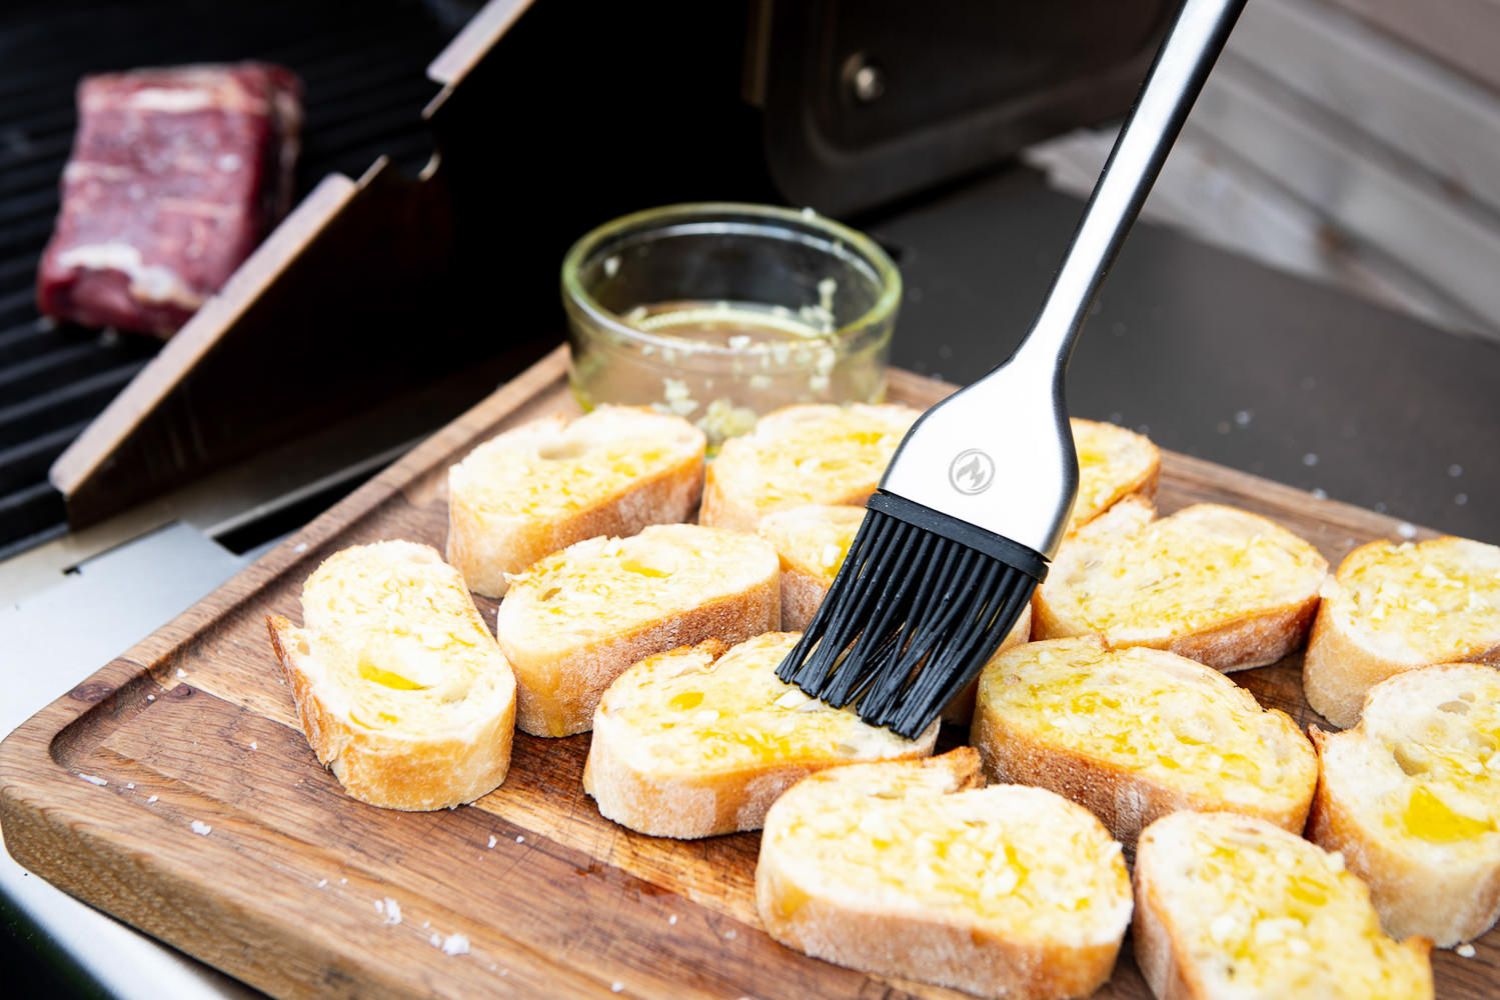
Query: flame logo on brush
[{"x": 972, "y": 472}]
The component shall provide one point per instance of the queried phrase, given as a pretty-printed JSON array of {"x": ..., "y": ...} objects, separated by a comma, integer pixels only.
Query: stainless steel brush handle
[
  {"x": 1009, "y": 430},
  {"x": 1171, "y": 87}
]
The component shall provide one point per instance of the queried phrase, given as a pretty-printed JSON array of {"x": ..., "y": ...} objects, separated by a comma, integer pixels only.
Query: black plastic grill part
[{"x": 364, "y": 69}]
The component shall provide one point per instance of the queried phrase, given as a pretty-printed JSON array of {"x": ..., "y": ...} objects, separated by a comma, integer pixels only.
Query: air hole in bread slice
[{"x": 561, "y": 451}]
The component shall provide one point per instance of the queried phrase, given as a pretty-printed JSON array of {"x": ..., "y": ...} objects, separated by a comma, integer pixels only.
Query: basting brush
[{"x": 949, "y": 552}]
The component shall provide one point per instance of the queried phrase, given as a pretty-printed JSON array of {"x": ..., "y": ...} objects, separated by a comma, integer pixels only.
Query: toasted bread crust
[
  {"x": 801, "y": 594},
  {"x": 1253, "y": 639},
  {"x": 730, "y": 492},
  {"x": 1128, "y": 800},
  {"x": 721, "y": 510},
  {"x": 1447, "y": 896},
  {"x": 1155, "y": 955},
  {"x": 1142, "y": 486},
  {"x": 1448, "y": 904},
  {"x": 1163, "y": 946},
  {"x": 1125, "y": 801},
  {"x": 405, "y": 774},
  {"x": 933, "y": 950},
  {"x": 569, "y": 709},
  {"x": 484, "y": 549},
  {"x": 703, "y": 801},
  {"x": 688, "y": 807},
  {"x": 1339, "y": 670}
]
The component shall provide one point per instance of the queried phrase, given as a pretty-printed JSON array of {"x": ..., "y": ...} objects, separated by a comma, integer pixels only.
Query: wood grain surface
[{"x": 174, "y": 790}]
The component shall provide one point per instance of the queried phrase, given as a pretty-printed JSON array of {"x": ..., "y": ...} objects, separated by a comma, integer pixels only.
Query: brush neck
[{"x": 1173, "y": 83}]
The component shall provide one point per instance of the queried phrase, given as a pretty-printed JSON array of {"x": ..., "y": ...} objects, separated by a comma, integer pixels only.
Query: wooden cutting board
[{"x": 174, "y": 790}]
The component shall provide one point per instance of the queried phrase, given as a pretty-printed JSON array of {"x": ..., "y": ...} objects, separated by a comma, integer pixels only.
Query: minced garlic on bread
[
  {"x": 1411, "y": 796},
  {"x": 574, "y": 621},
  {"x": 545, "y": 485},
  {"x": 914, "y": 870},
  {"x": 799, "y": 455},
  {"x": 1113, "y": 463},
  {"x": 1391, "y": 607},
  {"x": 1230, "y": 907},
  {"x": 1215, "y": 584},
  {"x": 401, "y": 690},
  {"x": 1135, "y": 734},
  {"x": 701, "y": 740}
]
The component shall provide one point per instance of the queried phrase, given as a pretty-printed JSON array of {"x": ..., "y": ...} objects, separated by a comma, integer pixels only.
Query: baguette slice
[
  {"x": 401, "y": 690},
  {"x": 1411, "y": 796},
  {"x": 799, "y": 455},
  {"x": 1113, "y": 463},
  {"x": 1230, "y": 907},
  {"x": 1135, "y": 734},
  {"x": 914, "y": 870},
  {"x": 701, "y": 740},
  {"x": 1215, "y": 584},
  {"x": 573, "y": 622},
  {"x": 812, "y": 542},
  {"x": 545, "y": 485},
  {"x": 1393, "y": 607}
]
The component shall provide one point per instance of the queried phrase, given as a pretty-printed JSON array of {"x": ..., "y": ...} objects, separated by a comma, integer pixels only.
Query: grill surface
[{"x": 364, "y": 70}]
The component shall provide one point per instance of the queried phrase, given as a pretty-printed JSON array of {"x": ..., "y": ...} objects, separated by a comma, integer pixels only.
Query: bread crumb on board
[
  {"x": 1465, "y": 950},
  {"x": 493, "y": 841},
  {"x": 455, "y": 944},
  {"x": 201, "y": 828},
  {"x": 151, "y": 800},
  {"x": 94, "y": 780}
]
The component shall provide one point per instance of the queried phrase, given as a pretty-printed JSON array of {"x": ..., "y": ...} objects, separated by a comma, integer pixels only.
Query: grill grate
[{"x": 363, "y": 66}]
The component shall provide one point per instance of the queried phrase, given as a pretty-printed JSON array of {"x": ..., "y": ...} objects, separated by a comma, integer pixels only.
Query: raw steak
[{"x": 176, "y": 175}]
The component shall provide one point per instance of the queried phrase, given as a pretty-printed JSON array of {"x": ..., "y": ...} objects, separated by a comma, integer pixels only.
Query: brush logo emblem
[{"x": 972, "y": 472}]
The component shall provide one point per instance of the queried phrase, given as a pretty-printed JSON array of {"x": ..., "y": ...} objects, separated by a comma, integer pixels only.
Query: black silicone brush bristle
[{"x": 922, "y": 601}]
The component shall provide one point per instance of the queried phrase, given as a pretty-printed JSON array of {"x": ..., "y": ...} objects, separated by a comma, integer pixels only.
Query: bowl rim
[{"x": 574, "y": 294}]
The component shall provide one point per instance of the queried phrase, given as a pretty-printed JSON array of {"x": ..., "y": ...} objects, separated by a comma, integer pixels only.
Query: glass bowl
[{"x": 719, "y": 312}]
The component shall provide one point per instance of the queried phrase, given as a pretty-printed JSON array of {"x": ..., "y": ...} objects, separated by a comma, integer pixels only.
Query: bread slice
[
  {"x": 1212, "y": 583},
  {"x": 812, "y": 542},
  {"x": 401, "y": 690},
  {"x": 545, "y": 485},
  {"x": 799, "y": 455},
  {"x": 1135, "y": 734},
  {"x": 1230, "y": 907},
  {"x": 914, "y": 870},
  {"x": 1411, "y": 796},
  {"x": 701, "y": 740},
  {"x": 1113, "y": 463},
  {"x": 573, "y": 622},
  {"x": 1392, "y": 607}
]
